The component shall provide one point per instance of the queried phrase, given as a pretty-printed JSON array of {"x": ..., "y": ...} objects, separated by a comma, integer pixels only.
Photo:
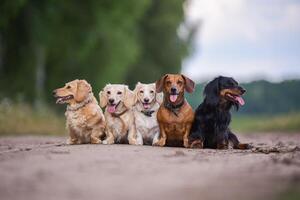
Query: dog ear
[
  {"x": 211, "y": 92},
  {"x": 135, "y": 91},
  {"x": 159, "y": 84},
  {"x": 83, "y": 90},
  {"x": 129, "y": 97},
  {"x": 103, "y": 98},
  {"x": 189, "y": 84},
  {"x": 159, "y": 98}
]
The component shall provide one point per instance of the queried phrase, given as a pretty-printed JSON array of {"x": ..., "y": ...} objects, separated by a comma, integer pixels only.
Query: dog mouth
[
  {"x": 111, "y": 108},
  {"x": 173, "y": 97},
  {"x": 146, "y": 105},
  {"x": 64, "y": 99},
  {"x": 235, "y": 98}
]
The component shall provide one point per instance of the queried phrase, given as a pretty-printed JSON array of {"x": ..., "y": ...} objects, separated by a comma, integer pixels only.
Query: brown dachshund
[{"x": 175, "y": 116}]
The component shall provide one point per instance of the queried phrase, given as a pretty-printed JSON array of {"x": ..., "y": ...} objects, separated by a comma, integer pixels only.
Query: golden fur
[{"x": 85, "y": 120}]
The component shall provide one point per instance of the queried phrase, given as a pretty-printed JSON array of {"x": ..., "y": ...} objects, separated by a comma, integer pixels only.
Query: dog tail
[{"x": 236, "y": 143}]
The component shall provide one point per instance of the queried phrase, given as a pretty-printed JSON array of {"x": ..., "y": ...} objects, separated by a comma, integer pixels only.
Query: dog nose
[
  {"x": 54, "y": 92},
  {"x": 146, "y": 100},
  {"x": 242, "y": 90},
  {"x": 173, "y": 90},
  {"x": 111, "y": 100}
]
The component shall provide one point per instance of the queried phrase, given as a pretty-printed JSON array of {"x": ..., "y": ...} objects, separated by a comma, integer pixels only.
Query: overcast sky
[{"x": 246, "y": 39}]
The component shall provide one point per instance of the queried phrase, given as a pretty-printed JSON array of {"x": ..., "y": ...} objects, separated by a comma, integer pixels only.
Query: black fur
[{"x": 212, "y": 117}]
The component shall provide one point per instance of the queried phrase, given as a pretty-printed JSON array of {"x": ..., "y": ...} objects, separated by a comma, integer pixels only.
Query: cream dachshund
[
  {"x": 120, "y": 127},
  {"x": 145, "y": 111},
  {"x": 85, "y": 120}
]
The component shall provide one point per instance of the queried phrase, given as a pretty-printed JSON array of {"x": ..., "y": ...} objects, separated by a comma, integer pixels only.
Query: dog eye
[
  {"x": 119, "y": 92},
  {"x": 68, "y": 87},
  {"x": 141, "y": 91},
  {"x": 108, "y": 92},
  {"x": 151, "y": 91},
  {"x": 179, "y": 82}
]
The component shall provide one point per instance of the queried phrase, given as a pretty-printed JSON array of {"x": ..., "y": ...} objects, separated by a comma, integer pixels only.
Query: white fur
[
  {"x": 118, "y": 128},
  {"x": 147, "y": 127}
]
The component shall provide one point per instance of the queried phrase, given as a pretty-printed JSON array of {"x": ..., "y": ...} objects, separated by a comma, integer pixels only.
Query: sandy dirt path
[{"x": 42, "y": 168}]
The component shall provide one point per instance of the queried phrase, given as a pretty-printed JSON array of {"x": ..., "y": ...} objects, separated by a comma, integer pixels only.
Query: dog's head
[
  {"x": 224, "y": 89},
  {"x": 114, "y": 96},
  {"x": 173, "y": 86},
  {"x": 146, "y": 95},
  {"x": 73, "y": 92}
]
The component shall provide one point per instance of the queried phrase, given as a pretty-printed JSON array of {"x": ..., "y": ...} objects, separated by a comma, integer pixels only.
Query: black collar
[
  {"x": 148, "y": 113},
  {"x": 174, "y": 108}
]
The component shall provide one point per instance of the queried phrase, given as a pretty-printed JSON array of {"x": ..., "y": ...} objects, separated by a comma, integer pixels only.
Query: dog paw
[
  {"x": 197, "y": 144},
  {"x": 96, "y": 141},
  {"x": 71, "y": 142},
  {"x": 160, "y": 143},
  {"x": 222, "y": 146},
  {"x": 104, "y": 142}
]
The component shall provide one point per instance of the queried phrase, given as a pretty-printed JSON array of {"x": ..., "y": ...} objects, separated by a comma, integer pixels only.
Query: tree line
[
  {"x": 45, "y": 43},
  {"x": 263, "y": 97}
]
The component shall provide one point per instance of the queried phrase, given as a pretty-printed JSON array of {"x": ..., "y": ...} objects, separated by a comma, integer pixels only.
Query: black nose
[
  {"x": 111, "y": 100},
  {"x": 242, "y": 90},
  {"x": 173, "y": 90},
  {"x": 54, "y": 92},
  {"x": 146, "y": 100}
]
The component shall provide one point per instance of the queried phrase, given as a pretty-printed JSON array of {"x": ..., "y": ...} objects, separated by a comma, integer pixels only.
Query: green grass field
[
  {"x": 279, "y": 123},
  {"x": 22, "y": 119}
]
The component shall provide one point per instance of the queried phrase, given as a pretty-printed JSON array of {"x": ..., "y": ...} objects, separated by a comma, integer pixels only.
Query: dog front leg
[
  {"x": 222, "y": 140},
  {"x": 186, "y": 135},
  {"x": 163, "y": 136},
  {"x": 110, "y": 138},
  {"x": 72, "y": 137},
  {"x": 132, "y": 136},
  {"x": 96, "y": 135}
]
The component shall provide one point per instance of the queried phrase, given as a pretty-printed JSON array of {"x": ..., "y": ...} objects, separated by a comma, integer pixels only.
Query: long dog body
[{"x": 175, "y": 116}]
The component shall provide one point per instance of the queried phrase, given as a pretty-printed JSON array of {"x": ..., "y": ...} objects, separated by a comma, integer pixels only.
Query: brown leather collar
[{"x": 119, "y": 114}]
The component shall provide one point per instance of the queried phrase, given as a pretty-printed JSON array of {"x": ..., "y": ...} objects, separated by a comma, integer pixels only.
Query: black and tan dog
[
  {"x": 212, "y": 118},
  {"x": 175, "y": 116}
]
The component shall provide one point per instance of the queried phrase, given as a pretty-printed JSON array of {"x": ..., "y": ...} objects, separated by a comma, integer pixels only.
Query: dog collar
[
  {"x": 81, "y": 104},
  {"x": 119, "y": 114},
  {"x": 173, "y": 108},
  {"x": 148, "y": 113}
]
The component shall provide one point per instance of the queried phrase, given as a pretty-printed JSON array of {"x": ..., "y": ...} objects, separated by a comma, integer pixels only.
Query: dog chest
[{"x": 76, "y": 120}]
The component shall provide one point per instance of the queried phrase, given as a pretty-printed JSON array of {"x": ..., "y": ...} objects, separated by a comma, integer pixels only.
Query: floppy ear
[
  {"x": 211, "y": 92},
  {"x": 103, "y": 98},
  {"x": 129, "y": 97},
  {"x": 83, "y": 90},
  {"x": 159, "y": 98},
  {"x": 159, "y": 84},
  {"x": 189, "y": 84},
  {"x": 135, "y": 92}
]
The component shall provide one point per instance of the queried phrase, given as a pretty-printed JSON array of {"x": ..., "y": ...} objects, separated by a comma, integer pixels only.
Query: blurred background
[{"x": 46, "y": 43}]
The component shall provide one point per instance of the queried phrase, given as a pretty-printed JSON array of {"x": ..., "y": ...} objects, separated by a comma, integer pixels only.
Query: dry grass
[{"x": 22, "y": 119}]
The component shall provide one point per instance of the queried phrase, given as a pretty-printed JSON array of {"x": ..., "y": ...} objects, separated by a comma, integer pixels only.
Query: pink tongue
[
  {"x": 240, "y": 100},
  {"x": 173, "y": 98},
  {"x": 146, "y": 106},
  {"x": 111, "y": 109}
]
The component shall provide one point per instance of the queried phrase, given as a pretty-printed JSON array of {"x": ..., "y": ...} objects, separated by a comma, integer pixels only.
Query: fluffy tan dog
[
  {"x": 118, "y": 100},
  {"x": 85, "y": 120},
  {"x": 145, "y": 111}
]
